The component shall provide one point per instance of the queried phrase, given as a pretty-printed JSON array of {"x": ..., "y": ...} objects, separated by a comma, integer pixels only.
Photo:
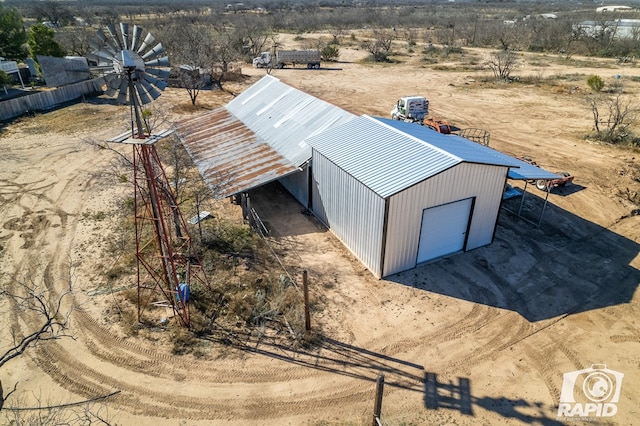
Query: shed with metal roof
[{"x": 398, "y": 194}]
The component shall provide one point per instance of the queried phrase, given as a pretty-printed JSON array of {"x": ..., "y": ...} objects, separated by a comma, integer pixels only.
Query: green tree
[
  {"x": 330, "y": 53},
  {"x": 4, "y": 80},
  {"x": 13, "y": 36},
  {"x": 595, "y": 83},
  {"x": 41, "y": 42}
]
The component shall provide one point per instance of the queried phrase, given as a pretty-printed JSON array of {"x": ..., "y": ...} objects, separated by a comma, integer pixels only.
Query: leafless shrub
[
  {"x": 502, "y": 63},
  {"x": 612, "y": 116}
]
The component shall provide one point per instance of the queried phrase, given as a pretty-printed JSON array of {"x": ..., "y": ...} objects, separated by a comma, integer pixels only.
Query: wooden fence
[{"x": 49, "y": 99}]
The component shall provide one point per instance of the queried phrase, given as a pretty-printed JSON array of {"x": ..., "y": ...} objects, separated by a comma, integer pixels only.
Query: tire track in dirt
[
  {"x": 493, "y": 347},
  {"x": 81, "y": 379},
  {"x": 569, "y": 353},
  {"x": 541, "y": 359},
  {"x": 127, "y": 354},
  {"x": 475, "y": 319},
  {"x": 622, "y": 338}
]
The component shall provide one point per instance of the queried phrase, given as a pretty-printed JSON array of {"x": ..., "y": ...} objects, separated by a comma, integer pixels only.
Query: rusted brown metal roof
[{"x": 230, "y": 157}]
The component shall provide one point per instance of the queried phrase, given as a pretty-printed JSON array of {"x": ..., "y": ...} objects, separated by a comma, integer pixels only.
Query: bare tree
[
  {"x": 154, "y": 115},
  {"x": 177, "y": 158},
  {"x": 56, "y": 13},
  {"x": 612, "y": 125},
  {"x": 379, "y": 45},
  {"x": 598, "y": 36},
  {"x": 502, "y": 63},
  {"x": 201, "y": 193},
  {"x": 36, "y": 301},
  {"x": 224, "y": 52},
  {"x": 122, "y": 159},
  {"x": 75, "y": 40},
  {"x": 251, "y": 35},
  {"x": 189, "y": 40}
]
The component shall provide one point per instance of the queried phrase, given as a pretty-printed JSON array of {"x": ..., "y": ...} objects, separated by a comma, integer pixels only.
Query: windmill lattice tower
[{"x": 168, "y": 264}]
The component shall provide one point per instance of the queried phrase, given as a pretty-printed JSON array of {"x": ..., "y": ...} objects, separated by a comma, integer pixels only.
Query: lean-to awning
[
  {"x": 528, "y": 173},
  {"x": 230, "y": 157}
]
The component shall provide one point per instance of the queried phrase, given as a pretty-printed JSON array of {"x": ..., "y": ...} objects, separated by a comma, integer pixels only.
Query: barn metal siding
[
  {"x": 484, "y": 182},
  {"x": 298, "y": 185},
  {"x": 353, "y": 212}
]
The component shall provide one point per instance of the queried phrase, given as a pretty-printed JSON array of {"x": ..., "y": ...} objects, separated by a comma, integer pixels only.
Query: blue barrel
[{"x": 183, "y": 292}]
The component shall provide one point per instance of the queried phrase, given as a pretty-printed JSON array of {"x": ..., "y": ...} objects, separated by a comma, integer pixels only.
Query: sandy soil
[{"x": 478, "y": 338}]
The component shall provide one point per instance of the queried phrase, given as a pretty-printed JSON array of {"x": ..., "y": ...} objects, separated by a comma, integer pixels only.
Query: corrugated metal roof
[
  {"x": 262, "y": 136},
  {"x": 528, "y": 171},
  {"x": 472, "y": 152},
  {"x": 389, "y": 156},
  {"x": 230, "y": 156},
  {"x": 466, "y": 150},
  {"x": 284, "y": 116}
]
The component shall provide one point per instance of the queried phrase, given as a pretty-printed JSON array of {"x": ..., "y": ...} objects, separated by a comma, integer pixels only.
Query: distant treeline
[{"x": 532, "y": 26}]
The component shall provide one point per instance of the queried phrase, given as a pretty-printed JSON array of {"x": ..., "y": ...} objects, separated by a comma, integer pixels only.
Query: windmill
[
  {"x": 130, "y": 62},
  {"x": 167, "y": 262}
]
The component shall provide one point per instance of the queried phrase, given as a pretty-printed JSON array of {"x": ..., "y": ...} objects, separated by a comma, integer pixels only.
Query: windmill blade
[
  {"x": 122, "y": 96},
  {"x": 124, "y": 32},
  {"x": 160, "y": 73},
  {"x": 150, "y": 89},
  {"x": 160, "y": 84},
  {"x": 142, "y": 94},
  {"x": 95, "y": 44},
  {"x": 137, "y": 32},
  {"x": 102, "y": 57},
  {"x": 160, "y": 62},
  {"x": 113, "y": 85},
  {"x": 148, "y": 41},
  {"x": 113, "y": 35},
  {"x": 103, "y": 43},
  {"x": 100, "y": 34},
  {"x": 156, "y": 51}
]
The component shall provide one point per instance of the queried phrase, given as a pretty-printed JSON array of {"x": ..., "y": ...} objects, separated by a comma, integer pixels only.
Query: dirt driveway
[{"x": 477, "y": 338}]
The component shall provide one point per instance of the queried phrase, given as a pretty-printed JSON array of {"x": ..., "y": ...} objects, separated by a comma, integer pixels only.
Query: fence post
[
  {"x": 377, "y": 409},
  {"x": 305, "y": 289}
]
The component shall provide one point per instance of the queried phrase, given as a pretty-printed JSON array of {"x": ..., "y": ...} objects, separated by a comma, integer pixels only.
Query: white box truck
[{"x": 283, "y": 58}]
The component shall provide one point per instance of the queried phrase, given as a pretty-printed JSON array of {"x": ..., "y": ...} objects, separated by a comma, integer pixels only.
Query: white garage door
[{"x": 444, "y": 229}]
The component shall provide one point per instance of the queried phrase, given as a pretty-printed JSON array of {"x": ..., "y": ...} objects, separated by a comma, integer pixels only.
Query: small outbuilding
[{"x": 398, "y": 194}]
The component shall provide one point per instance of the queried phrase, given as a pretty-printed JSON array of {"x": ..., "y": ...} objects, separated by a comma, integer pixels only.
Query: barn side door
[{"x": 444, "y": 229}]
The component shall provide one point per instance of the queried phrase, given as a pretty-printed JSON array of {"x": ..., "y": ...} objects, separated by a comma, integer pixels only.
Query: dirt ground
[{"x": 482, "y": 337}]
